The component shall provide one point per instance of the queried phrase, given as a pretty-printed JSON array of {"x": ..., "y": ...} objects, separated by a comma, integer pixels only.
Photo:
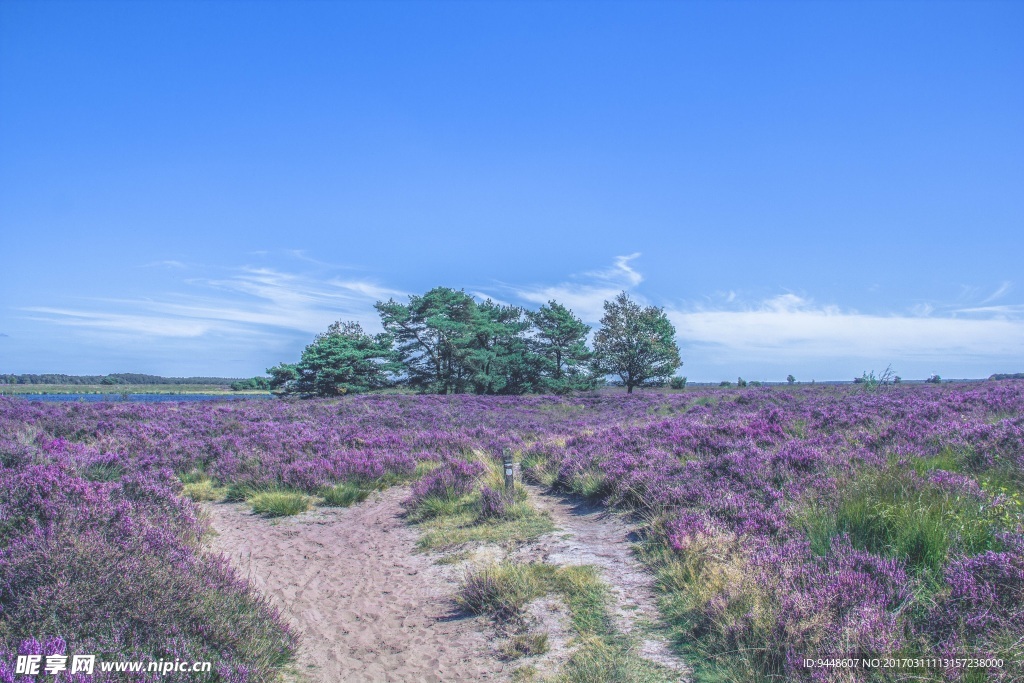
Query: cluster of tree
[
  {"x": 116, "y": 378},
  {"x": 253, "y": 383},
  {"x": 1007, "y": 375},
  {"x": 448, "y": 343},
  {"x": 741, "y": 383}
]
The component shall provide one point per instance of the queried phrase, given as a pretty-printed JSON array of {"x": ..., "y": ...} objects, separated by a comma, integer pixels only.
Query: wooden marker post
[{"x": 510, "y": 480}]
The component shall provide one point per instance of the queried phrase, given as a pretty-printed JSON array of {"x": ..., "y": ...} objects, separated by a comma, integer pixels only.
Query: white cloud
[
  {"x": 923, "y": 309},
  {"x": 116, "y": 322},
  {"x": 484, "y": 296},
  {"x": 620, "y": 272},
  {"x": 794, "y": 327},
  {"x": 170, "y": 264},
  {"x": 1001, "y": 311},
  {"x": 585, "y": 299},
  {"x": 250, "y": 299},
  {"x": 1003, "y": 290}
]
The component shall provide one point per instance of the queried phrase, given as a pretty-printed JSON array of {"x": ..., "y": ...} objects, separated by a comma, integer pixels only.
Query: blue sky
[{"x": 197, "y": 188}]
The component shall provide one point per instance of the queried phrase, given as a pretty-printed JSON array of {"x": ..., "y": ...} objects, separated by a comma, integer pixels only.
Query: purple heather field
[{"x": 782, "y": 523}]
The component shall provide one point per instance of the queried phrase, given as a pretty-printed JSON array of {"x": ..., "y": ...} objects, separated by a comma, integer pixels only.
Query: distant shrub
[
  {"x": 725, "y": 383},
  {"x": 252, "y": 384},
  {"x": 1004, "y": 375},
  {"x": 677, "y": 383},
  {"x": 872, "y": 382},
  {"x": 933, "y": 379},
  {"x": 740, "y": 382},
  {"x": 791, "y": 379}
]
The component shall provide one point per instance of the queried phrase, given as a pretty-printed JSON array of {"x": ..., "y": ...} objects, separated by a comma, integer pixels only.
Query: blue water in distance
[{"x": 137, "y": 398}]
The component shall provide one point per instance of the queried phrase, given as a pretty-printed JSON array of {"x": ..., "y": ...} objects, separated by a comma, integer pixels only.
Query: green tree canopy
[
  {"x": 283, "y": 377},
  {"x": 433, "y": 333},
  {"x": 560, "y": 344},
  {"x": 498, "y": 357},
  {"x": 448, "y": 343},
  {"x": 635, "y": 343},
  {"x": 343, "y": 360}
]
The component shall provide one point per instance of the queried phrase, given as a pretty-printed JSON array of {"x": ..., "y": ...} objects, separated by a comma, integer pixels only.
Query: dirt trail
[
  {"x": 589, "y": 534},
  {"x": 367, "y": 606}
]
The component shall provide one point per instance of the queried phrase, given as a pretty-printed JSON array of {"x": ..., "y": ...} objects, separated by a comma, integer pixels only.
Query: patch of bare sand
[
  {"x": 589, "y": 534},
  {"x": 550, "y": 616},
  {"x": 367, "y": 607}
]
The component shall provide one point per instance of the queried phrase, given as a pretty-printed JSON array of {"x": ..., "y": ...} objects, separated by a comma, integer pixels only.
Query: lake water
[{"x": 137, "y": 398}]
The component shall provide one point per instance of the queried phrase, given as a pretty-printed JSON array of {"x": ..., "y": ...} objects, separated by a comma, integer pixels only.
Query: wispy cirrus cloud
[
  {"x": 168, "y": 264},
  {"x": 1002, "y": 291},
  {"x": 243, "y": 301},
  {"x": 1005, "y": 310},
  {"x": 586, "y": 296},
  {"x": 123, "y": 323},
  {"x": 620, "y": 271}
]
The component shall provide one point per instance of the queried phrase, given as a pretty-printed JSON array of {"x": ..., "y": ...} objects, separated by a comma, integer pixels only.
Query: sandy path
[
  {"x": 590, "y": 534},
  {"x": 367, "y": 606}
]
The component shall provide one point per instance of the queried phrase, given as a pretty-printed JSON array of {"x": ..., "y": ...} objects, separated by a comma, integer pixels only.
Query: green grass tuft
[
  {"x": 203, "y": 491},
  {"x": 451, "y": 523},
  {"x": 946, "y": 459},
  {"x": 891, "y": 512},
  {"x": 503, "y": 590},
  {"x": 433, "y": 507},
  {"x": 525, "y": 645},
  {"x": 238, "y": 492},
  {"x": 102, "y": 471},
  {"x": 602, "y": 660},
  {"x": 344, "y": 494},
  {"x": 589, "y": 484},
  {"x": 525, "y": 673},
  {"x": 279, "y": 503},
  {"x": 537, "y": 467}
]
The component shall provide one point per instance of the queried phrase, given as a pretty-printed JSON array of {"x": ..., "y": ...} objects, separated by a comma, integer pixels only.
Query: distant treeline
[
  {"x": 1003, "y": 375},
  {"x": 116, "y": 378}
]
